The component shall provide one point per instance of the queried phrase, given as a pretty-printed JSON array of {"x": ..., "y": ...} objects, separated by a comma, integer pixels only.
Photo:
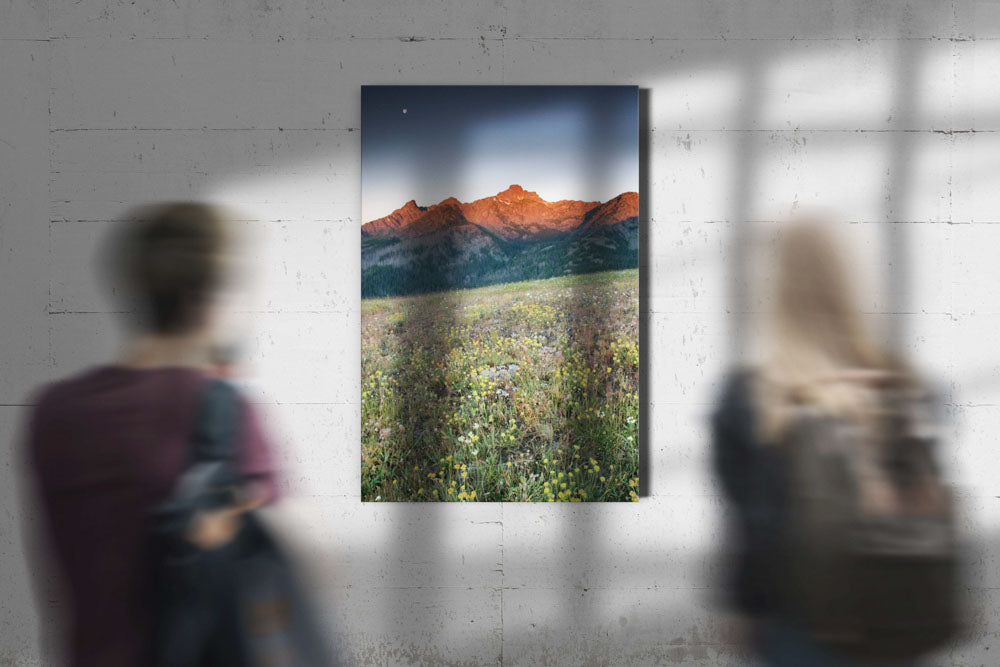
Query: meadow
[{"x": 517, "y": 392}]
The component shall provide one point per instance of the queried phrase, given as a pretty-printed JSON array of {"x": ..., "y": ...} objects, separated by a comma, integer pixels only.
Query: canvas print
[{"x": 500, "y": 293}]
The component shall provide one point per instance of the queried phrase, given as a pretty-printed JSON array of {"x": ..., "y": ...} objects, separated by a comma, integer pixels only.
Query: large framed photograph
[{"x": 499, "y": 293}]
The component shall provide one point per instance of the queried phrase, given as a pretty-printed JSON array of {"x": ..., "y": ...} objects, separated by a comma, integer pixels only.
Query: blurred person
[
  {"x": 843, "y": 528},
  {"x": 108, "y": 445}
]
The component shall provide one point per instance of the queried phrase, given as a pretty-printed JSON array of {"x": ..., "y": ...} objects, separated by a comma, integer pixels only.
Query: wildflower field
[{"x": 517, "y": 392}]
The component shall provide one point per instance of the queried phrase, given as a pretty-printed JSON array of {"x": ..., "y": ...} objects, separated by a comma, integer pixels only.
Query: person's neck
[{"x": 159, "y": 351}]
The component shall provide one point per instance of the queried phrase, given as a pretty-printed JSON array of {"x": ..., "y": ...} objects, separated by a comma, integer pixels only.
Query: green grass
[{"x": 517, "y": 392}]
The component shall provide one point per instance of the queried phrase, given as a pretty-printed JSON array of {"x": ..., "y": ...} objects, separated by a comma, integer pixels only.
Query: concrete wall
[{"x": 886, "y": 112}]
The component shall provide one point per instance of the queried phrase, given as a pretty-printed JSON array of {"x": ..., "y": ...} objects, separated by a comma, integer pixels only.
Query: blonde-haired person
[{"x": 819, "y": 353}]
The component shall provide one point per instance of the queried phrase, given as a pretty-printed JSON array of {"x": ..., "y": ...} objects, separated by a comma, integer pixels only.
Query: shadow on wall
[
  {"x": 645, "y": 267},
  {"x": 423, "y": 414}
]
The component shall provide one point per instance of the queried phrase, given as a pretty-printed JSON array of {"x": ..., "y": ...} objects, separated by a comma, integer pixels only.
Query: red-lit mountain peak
[
  {"x": 516, "y": 193},
  {"x": 615, "y": 210},
  {"x": 396, "y": 222},
  {"x": 447, "y": 213},
  {"x": 516, "y": 214}
]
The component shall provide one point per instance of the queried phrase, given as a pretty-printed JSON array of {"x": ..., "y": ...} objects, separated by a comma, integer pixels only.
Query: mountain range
[{"x": 511, "y": 236}]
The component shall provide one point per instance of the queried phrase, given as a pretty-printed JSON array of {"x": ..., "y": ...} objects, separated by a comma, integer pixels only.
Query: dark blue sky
[{"x": 432, "y": 142}]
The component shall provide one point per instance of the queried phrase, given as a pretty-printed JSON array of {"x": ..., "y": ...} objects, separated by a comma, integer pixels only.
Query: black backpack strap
[
  {"x": 186, "y": 579},
  {"x": 211, "y": 478},
  {"x": 215, "y": 443},
  {"x": 216, "y": 433}
]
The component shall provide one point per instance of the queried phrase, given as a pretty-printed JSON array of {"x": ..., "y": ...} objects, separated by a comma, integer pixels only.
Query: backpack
[
  {"x": 237, "y": 605},
  {"x": 871, "y": 567}
]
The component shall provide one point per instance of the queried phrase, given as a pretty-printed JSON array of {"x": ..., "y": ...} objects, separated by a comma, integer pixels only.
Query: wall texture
[{"x": 886, "y": 112}]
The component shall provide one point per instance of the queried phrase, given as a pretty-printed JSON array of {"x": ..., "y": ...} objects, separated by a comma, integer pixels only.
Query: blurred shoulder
[
  {"x": 57, "y": 392},
  {"x": 737, "y": 387},
  {"x": 734, "y": 414},
  {"x": 50, "y": 406},
  {"x": 933, "y": 393}
]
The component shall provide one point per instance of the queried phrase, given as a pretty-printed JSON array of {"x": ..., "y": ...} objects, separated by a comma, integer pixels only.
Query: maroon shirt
[{"x": 105, "y": 447}]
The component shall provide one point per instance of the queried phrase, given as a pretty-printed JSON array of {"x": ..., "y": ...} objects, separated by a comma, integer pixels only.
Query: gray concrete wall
[{"x": 886, "y": 112}]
